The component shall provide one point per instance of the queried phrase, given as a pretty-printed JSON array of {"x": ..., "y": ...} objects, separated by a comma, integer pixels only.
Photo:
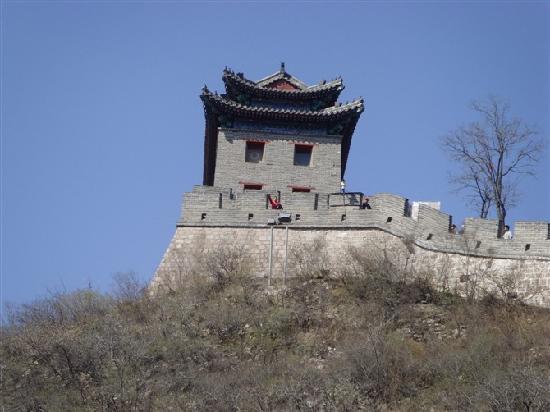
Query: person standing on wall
[
  {"x": 275, "y": 204},
  {"x": 507, "y": 233},
  {"x": 365, "y": 204}
]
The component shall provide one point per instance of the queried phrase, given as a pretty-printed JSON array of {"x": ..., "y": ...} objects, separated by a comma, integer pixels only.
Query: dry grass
[{"x": 368, "y": 338}]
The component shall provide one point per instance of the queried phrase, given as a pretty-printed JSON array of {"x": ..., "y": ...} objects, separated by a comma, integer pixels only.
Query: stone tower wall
[{"x": 277, "y": 170}]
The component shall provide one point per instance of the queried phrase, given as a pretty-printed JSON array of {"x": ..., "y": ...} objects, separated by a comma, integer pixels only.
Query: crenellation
[
  {"x": 530, "y": 231},
  {"x": 300, "y": 201},
  {"x": 393, "y": 205},
  {"x": 431, "y": 220},
  {"x": 430, "y": 230},
  {"x": 481, "y": 228}
]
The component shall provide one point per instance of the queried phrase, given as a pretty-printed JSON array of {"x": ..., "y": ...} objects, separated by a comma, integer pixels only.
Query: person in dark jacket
[{"x": 365, "y": 204}]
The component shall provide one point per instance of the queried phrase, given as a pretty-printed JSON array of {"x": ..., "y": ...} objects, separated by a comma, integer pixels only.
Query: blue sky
[{"x": 102, "y": 127}]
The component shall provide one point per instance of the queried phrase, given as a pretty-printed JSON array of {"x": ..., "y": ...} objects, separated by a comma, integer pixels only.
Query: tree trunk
[
  {"x": 501, "y": 214},
  {"x": 484, "y": 209}
]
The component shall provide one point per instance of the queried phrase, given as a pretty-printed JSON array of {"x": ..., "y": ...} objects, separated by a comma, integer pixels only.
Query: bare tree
[
  {"x": 478, "y": 190},
  {"x": 492, "y": 153}
]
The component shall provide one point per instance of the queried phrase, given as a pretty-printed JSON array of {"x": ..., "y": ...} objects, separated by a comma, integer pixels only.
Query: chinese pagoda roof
[
  {"x": 224, "y": 104},
  {"x": 270, "y": 87},
  {"x": 278, "y": 98}
]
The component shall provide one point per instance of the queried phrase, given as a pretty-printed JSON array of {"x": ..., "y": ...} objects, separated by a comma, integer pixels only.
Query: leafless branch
[{"x": 492, "y": 152}]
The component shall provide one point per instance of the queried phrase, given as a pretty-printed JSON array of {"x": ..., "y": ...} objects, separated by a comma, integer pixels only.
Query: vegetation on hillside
[{"x": 364, "y": 339}]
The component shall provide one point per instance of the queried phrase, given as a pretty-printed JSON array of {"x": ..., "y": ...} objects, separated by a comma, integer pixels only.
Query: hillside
[{"x": 370, "y": 339}]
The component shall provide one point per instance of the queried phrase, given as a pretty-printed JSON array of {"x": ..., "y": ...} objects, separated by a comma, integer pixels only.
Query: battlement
[{"x": 208, "y": 206}]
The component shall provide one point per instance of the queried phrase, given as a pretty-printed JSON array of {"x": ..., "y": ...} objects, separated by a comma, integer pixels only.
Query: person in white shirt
[
  {"x": 343, "y": 186},
  {"x": 507, "y": 233}
]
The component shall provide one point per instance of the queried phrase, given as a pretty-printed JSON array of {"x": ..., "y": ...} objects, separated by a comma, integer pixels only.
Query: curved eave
[
  {"x": 328, "y": 91},
  {"x": 330, "y": 114}
]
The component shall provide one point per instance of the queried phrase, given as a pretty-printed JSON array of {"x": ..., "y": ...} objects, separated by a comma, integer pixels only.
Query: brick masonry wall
[
  {"x": 457, "y": 271},
  {"x": 213, "y": 218},
  {"x": 430, "y": 230},
  {"x": 277, "y": 170},
  {"x": 529, "y": 231}
]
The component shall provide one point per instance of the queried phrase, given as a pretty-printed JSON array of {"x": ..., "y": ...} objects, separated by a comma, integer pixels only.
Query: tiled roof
[
  {"x": 237, "y": 81},
  {"x": 281, "y": 75},
  {"x": 227, "y": 105}
]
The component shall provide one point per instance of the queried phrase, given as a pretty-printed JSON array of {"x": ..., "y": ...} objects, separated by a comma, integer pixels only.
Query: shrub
[{"x": 221, "y": 341}]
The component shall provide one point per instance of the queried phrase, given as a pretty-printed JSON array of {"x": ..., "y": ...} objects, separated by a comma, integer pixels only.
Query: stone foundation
[{"x": 330, "y": 249}]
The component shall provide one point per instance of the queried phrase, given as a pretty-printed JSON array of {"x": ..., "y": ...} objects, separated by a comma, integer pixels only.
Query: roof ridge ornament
[{"x": 282, "y": 69}]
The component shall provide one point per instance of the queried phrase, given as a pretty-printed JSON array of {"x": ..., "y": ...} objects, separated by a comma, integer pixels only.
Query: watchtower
[
  {"x": 279, "y": 137},
  {"x": 277, "y": 134}
]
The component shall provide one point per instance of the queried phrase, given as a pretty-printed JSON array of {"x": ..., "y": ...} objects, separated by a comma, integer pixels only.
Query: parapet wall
[
  {"x": 208, "y": 206},
  {"x": 213, "y": 219}
]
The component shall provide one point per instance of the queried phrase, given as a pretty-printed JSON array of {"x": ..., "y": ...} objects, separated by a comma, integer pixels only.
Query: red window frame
[
  {"x": 254, "y": 144},
  {"x": 304, "y": 148},
  {"x": 252, "y": 187},
  {"x": 300, "y": 189}
]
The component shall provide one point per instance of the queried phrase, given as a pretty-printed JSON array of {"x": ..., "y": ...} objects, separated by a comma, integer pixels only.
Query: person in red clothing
[{"x": 275, "y": 204}]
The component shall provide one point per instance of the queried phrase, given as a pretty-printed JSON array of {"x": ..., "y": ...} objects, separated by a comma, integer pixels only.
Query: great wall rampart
[{"x": 215, "y": 218}]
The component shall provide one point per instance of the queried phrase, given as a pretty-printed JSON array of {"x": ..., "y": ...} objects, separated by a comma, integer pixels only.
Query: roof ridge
[
  {"x": 230, "y": 75},
  {"x": 282, "y": 74}
]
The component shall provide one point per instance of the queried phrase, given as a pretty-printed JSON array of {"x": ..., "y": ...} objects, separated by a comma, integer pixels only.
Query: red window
[
  {"x": 301, "y": 189},
  {"x": 252, "y": 187},
  {"x": 302, "y": 154},
  {"x": 254, "y": 152}
]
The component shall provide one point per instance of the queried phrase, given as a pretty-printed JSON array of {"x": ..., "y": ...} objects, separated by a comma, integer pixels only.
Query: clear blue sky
[{"x": 102, "y": 127}]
